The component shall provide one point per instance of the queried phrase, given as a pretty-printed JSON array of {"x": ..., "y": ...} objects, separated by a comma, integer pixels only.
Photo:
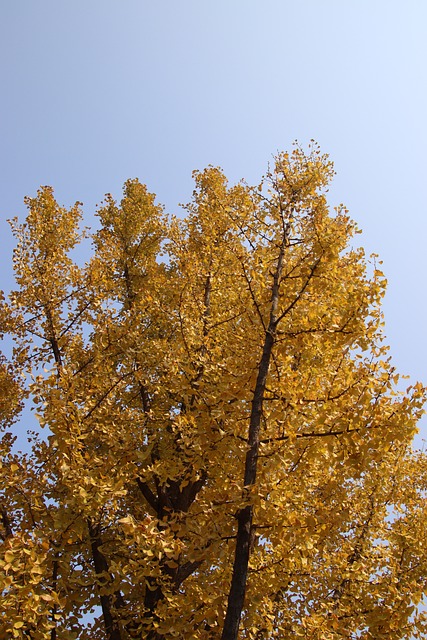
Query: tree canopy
[{"x": 225, "y": 450}]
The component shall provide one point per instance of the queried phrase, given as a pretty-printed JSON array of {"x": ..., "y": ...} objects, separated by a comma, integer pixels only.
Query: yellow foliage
[{"x": 219, "y": 410}]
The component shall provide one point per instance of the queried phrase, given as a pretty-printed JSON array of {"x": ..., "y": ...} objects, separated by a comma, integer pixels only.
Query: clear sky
[{"x": 97, "y": 91}]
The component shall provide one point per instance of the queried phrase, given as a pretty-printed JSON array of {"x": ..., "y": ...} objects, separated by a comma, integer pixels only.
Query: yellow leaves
[
  {"x": 143, "y": 369},
  {"x": 36, "y": 570},
  {"x": 27, "y": 598},
  {"x": 9, "y": 556}
]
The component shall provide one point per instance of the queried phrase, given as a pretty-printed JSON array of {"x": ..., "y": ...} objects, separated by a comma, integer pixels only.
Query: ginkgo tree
[{"x": 225, "y": 452}]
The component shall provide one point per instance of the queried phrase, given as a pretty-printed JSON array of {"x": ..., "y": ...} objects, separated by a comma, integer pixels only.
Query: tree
[{"x": 225, "y": 453}]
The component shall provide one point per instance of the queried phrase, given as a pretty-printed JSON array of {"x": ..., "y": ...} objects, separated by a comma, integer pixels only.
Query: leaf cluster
[{"x": 195, "y": 372}]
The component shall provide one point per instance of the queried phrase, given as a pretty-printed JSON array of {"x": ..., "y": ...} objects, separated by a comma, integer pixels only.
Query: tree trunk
[
  {"x": 112, "y": 630},
  {"x": 236, "y": 595}
]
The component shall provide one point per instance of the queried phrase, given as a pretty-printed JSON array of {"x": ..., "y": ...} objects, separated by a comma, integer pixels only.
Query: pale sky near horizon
[{"x": 94, "y": 92}]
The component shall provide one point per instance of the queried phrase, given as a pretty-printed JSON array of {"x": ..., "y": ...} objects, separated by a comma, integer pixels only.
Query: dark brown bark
[
  {"x": 153, "y": 595},
  {"x": 112, "y": 629},
  {"x": 148, "y": 494},
  {"x": 8, "y": 533},
  {"x": 170, "y": 499},
  {"x": 53, "y": 339},
  {"x": 236, "y": 595}
]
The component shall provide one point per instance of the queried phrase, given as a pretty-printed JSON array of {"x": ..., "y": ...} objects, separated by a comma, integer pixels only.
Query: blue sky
[{"x": 94, "y": 92}]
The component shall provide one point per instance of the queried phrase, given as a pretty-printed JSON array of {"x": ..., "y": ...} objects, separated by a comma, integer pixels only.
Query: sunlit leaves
[{"x": 141, "y": 366}]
